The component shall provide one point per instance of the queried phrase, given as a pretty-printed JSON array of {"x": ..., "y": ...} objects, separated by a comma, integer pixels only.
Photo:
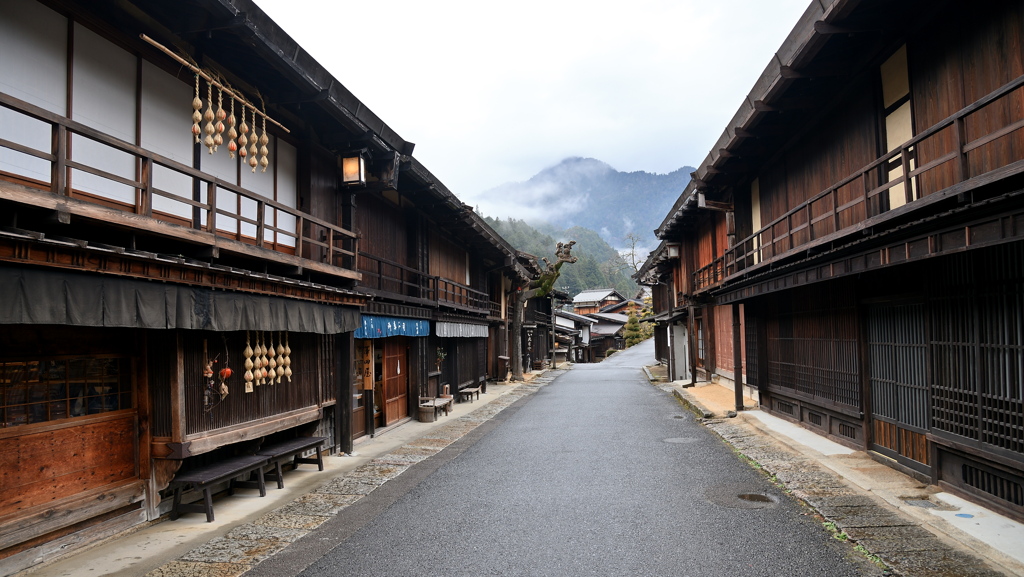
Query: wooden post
[
  {"x": 58, "y": 170},
  {"x": 693, "y": 347},
  {"x": 178, "y": 392},
  {"x": 960, "y": 132},
  {"x": 908, "y": 191},
  {"x": 737, "y": 356},
  {"x": 211, "y": 202},
  {"x": 835, "y": 209},
  {"x": 344, "y": 350},
  {"x": 146, "y": 193},
  {"x": 261, "y": 209}
]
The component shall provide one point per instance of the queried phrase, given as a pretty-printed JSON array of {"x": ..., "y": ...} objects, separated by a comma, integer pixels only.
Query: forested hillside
[
  {"x": 598, "y": 264},
  {"x": 589, "y": 193}
]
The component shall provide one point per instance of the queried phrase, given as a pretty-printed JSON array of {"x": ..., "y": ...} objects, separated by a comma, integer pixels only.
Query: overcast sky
[{"x": 495, "y": 92}]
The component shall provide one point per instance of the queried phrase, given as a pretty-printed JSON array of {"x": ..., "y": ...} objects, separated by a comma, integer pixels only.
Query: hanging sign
[{"x": 366, "y": 365}]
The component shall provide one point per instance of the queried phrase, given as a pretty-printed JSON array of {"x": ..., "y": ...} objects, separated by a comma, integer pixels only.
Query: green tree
[{"x": 633, "y": 332}]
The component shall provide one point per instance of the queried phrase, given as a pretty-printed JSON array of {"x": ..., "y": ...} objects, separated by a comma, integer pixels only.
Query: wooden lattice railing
[
  {"x": 860, "y": 200},
  {"x": 312, "y": 238}
]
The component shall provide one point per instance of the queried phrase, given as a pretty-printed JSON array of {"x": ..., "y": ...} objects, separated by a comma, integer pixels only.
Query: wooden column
[
  {"x": 737, "y": 356},
  {"x": 178, "y": 393},
  {"x": 693, "y": 347},
  {"x": 344, "y": 349}
]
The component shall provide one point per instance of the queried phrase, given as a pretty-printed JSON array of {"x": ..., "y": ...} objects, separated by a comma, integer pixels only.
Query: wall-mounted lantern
[
  {"x": 353, "y": 170},
  {"x": 672, "y": 250}
]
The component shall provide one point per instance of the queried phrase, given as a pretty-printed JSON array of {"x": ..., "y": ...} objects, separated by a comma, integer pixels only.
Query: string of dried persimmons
[{"x": 216, "y": 123}]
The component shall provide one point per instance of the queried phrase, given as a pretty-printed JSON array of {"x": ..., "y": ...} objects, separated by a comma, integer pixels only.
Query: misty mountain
[
  {"x": 598, "y": 265},
  {"x": 588, "y": 193}
]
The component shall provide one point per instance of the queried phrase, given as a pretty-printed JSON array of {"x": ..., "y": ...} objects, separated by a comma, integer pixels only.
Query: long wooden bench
[
  {"x": 292, "y": 448},
  {"x": 203, "y": 478}
]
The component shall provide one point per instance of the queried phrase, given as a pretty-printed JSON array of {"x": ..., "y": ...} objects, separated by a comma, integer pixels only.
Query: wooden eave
[
  {"x": 831, "y": 44},
  {"x": 457, "y": 217}
]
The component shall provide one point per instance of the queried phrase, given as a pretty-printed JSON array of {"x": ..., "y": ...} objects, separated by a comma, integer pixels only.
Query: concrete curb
[{"x": 692, "y": 404}]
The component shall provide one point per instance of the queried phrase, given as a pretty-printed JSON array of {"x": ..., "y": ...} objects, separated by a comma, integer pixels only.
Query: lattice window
[
  {"x": 898, "y": 350},
  {"x": 978, "y": 347},
  {"x": 36, "y": 391},
  {"x": 812, "y": 345}
]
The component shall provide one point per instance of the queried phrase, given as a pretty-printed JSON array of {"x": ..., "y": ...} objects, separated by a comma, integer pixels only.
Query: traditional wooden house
[
  {"x": 538, "y": 335},
  {"x": 170, "y": 298},
  {"x": 607, "y": 333},
  {"x": 441, "y": 281},
  {"x": 871, "y": 189},
  {"x": 575, "y": 330},
  {"x": 592, "y": 301}
]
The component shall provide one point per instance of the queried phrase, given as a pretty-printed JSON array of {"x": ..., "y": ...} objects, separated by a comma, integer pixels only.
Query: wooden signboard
[{"x": 365, "y": 364}]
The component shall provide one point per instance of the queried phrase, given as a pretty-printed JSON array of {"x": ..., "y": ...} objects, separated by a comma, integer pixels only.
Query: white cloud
[{"x": 494, "y": 92}]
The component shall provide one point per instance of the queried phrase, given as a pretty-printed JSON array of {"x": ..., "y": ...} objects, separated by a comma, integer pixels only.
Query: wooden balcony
[
  {"x": 937, "y": 163},
  {"x": 313, "y": 243},
  {"x": 390, "y": 279}
]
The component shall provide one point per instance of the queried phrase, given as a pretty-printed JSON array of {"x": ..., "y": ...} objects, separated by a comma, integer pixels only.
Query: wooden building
[
  {"x": 575, "y": 330},
  {"x": 861, "y": 223},
  {"x": 594, "y": 300},
  {"x": 147, "y": 280},
  {"x": 607, "y": 333},
  {"x": 441, "y": 282}
]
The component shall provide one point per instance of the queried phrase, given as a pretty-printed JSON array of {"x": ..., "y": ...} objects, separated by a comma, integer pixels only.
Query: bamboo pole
[{"x": 238, "y": 97}]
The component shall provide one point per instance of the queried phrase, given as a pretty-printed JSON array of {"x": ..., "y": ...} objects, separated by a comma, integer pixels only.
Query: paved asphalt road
[{"x": 598, "y": 473}]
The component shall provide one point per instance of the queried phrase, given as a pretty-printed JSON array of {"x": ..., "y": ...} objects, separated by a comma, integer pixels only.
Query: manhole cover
[
  {"x": 680, "y": 440},
  {"x": 921, "y": 503}
]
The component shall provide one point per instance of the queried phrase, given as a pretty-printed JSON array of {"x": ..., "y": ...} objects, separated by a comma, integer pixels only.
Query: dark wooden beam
[
  {"x": 790, "y": 72},
  {"x": 703, "y": 202},
  {"x": 759, "y": 131},
  {"x": 697, "y": 181},
  {"x": 825, "y": 28}
]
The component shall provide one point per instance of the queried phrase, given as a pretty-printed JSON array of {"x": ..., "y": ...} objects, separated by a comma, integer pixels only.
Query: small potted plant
[{"x": 441, "y": 356}]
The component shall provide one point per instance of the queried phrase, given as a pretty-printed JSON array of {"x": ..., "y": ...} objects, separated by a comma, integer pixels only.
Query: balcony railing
[
  {"x": 386, "y": 276},
  {"x": 708, "y": 276},
  {"x": 860, "y": 200},
  {"x": 312, "y": 238}
]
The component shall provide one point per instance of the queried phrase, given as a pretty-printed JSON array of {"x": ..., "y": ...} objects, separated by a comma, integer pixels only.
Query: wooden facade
[
  {"x": 136, "y": 265},
  {"x": 871, "y": 189}
]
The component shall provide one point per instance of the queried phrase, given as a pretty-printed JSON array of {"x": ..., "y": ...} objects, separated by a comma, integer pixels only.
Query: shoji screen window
[
  {"x": 33, "y": 68},
  {"x": 899, "y": 126},
  {"x": 103, "y": 98}
]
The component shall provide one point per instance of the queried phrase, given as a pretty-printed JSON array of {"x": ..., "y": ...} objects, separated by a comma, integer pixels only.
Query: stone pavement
[
  {"x": 248, "y": 545},
  {"x": 885, "y": 513},
  {"x": 249, "y": 542}
]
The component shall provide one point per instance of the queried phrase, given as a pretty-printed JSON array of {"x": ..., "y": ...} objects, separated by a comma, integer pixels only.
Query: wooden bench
[
  {"x": 292, "y": 448},
  {"x": 439, "y": 404},
  {"x": 204, "y": 478},
  {"x": 468, "y": 392}
]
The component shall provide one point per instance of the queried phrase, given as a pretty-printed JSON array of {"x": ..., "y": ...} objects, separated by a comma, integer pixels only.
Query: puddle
[{"x": 755, "y": 498}]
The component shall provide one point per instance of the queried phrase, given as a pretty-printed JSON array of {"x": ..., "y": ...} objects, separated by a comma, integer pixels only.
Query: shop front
[{"x": 387, "y": 383}]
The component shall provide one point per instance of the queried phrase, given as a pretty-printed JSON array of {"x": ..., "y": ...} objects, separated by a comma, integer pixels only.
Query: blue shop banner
[{"x": 374, "y": 327}]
